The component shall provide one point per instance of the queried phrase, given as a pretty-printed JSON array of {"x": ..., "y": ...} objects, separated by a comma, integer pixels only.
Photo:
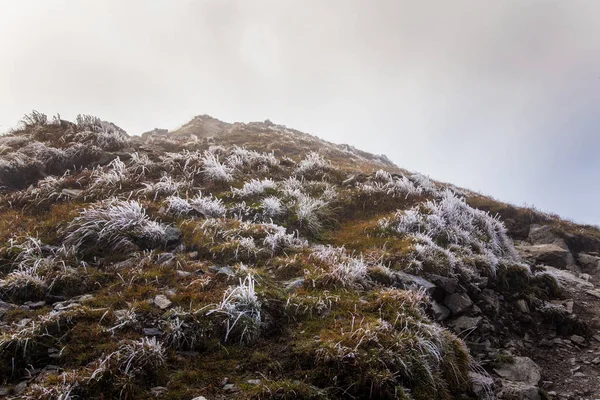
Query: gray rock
[
  {"x": 522, "y": 369},
  {"x": 35, "y": 305},
  {"x": 182, "y": 274},
  {"x": 440, "y": 313},
  {"x": 165, "y": 259},
  {"x": 170, "y": 293},
  {"x": 458, "y": 303},
  {"x": 464, "y": 323},
  {"x": 222, "y": 270},
  {"x": 158, "y": 391},
  {"x": 519, "y": 391},
  {"x": 405, "y": 281},
  {"x": 589, "y": 263},
  {"x": 547, "y": 254},
  {"x": 567, "y": 278},
  {"x": 199, "y": 398},
  {"x": 4, "y": 390},
  {"x": 20, "y": 388},
  {"x": 481, "y": 384},
  {"x": 229, "y": 388},
  {"x": 489, "y": 301},
  {"x": 522, "y": 306},
  {"x": 577, "y": 339},
  {"x": 172, "y": 234},
  {"x": 294, "y": 284},
  {"x": 447, "y": 285},
  {"x": 152, "y": 332},
  {"x": 542, "y": 234},
  {"x": 253, "y": 381},
  {"x": 162, "y": 302}
]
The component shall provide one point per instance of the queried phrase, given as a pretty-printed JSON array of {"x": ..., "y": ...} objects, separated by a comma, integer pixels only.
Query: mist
[{"x": 501, "y": 98}]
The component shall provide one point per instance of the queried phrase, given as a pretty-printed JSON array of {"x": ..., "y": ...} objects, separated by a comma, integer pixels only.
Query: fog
[{"x": 499, "y": 97}]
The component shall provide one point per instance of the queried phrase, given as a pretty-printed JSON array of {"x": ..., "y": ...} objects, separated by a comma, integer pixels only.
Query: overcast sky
[{"x": 502, "y": 97}]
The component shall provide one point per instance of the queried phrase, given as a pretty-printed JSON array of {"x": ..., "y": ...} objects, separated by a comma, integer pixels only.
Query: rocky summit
[{"x": 253, "y": 261}]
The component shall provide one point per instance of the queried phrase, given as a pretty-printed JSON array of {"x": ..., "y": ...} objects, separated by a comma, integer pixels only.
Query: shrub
[
  {"x": 214, "y": 170},
  {"x": 115, "y": 225},
  {"x": 242, "y": 310},
  {"x": 139, "y": 357}
]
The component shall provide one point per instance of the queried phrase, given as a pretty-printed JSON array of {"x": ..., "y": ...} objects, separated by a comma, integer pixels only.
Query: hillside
[{"x": 253, "y": 261}]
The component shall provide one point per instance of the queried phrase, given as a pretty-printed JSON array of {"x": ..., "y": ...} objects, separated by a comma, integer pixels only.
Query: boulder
[
  {"x": 464, "y": 323},
  {"x": 440, "y": 312},
  {"x": 518, "y": 391},
  {"x": 547, "y": 254},
  {"x": 445, "y": 284},
  {"x": 521, "y": 369},
  {"x": 567, "y": 278},
  {"x": 458, "y": 303},
  {"x": 405, "y": 281},
  {"x": 543, "y": 234},
  {"x": 589, "y": 263}
]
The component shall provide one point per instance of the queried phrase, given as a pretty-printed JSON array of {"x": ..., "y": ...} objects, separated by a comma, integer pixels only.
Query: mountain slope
[{"x": 256, "y": 261}]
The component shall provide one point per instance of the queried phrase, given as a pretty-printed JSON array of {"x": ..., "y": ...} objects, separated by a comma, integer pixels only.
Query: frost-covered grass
[
  {"x": 272, "y": 207},
  {"x": 313, "y": 163},
  {"x": 139, "y": 356},
  {"x": 241, "y": 158},
  {"x": 255, "y": 187},
  {"x": 108, "y": 180},
  {"x": 241, "y": 308},
  {"x": 114, "y": 225},
  {"x": 165, "y": 186},
  {"x": 310, "y": 212},
  {"x": 214, "y": 170},
  {"x": 207, "y": 206},
  {"x": 451, "y": 229}
]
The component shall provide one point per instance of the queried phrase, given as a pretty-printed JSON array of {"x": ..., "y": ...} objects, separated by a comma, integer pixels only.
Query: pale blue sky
[{"x": 501, "y": 97}]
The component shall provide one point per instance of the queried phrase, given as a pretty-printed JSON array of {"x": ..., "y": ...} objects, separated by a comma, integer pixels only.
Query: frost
[
  {"x": 312, "y": 163},
  {"x": 271, "y": 207},
  {"x": 255, "y": 187},
  {"x": 209, "y": 206},
  {"x": 115, "y": 225},
  {"x": 214, "y": 170},
  {"x": 164, "y": 187},
  {"x": 242, "y": 310}
]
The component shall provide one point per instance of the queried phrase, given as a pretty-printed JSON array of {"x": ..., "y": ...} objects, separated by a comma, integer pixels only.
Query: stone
[
  {"x": 589, "y": 263},
  {"x": 170, "y": 293},
  {"x": 294, "y": 284},
  {"x": 35, "y": 305},
  {"x": 481, "y": 384},
  {"x": 182, "y": 274},
  {"x": 162, "y": 302},
  {"x": 547, "y": 254},
  {"x": 152, "y": 332},
  {"x": 440, "y": 313},
  {"x": 172, "y": 234},
  {"x": 489, "y": 301},
  {"x": 229, "y": 388},
  {"x": 521, "y": 369},
  {"x": 464, "y": 323},
  {"x": 253, "y": 381},
  {"x": 406, "y": 281},
  {"x": 4, "y": 390},
  {"x": 594, "y": 292},
  {"x": 522, "y": 306},
  {"x": 165, "y": 259},
  {"x": 445, "y": 284},
  {"x": 458, "y": 303},
  {"x": 222, "y": 270},
  {"x": 596, "y": 361},
  {"x": 568, "y": 278},
  {"x": 577, "y": 339},
  {"x": 518, "y": 391},
  {"x": 20, "y": 388},
  {"x": 158, "y": 391},
  {"x": 199, "y": 398}
]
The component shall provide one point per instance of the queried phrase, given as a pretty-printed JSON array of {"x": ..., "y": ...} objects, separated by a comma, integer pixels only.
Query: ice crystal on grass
[
  {"x": 310, "y": 212},
  {"x": 272, "y": 207},
  {"x": 115, "y": 225},
  {"x": 312, "y": 163},
  {"x": 277, "y": 239},
  {"x": 209, "y": 206},
  {"x": 139, "y": 356},
  {"x": 255, "y": 187},
  {"x": 109, "y": 179},
  {"x": 450, "y": 228},
  {"x": 214, "y": 170},
  {"x": 241, "y": 157},
  {"x": 178, "y": 206},
  {"x": 164, "y": 187},
  {"x": 242, "y": 310}
]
